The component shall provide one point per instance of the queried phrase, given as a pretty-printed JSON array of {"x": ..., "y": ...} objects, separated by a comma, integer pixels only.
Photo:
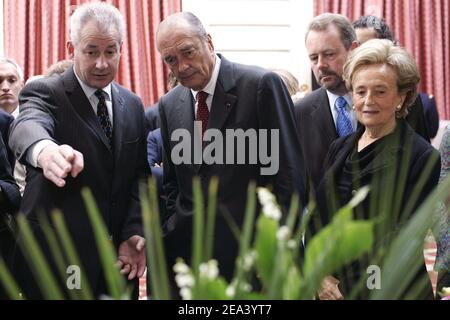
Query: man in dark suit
[
  {"x": 329, "y": 40},
  {"x": 229, "y": 96},
  {"x": 9, "y": 197},
  {"x": 81, "y": 129}
]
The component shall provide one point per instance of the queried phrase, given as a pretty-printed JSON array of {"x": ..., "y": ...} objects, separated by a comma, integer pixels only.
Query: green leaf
[
  {"x": 266, "y": 246},
  {"x": 337, "y": 244},
  {"x": 108, "y": 256},
  {"x": 9, "y": 283},
  {"x": 154, "y": 246},
  {"x": 197, "y": 225},
  {"x": 37, "y": 262},
  {"x": 207, "y": 289},
  {"x": 71, "y": 253},
  {"x": 292, "y": 283}
]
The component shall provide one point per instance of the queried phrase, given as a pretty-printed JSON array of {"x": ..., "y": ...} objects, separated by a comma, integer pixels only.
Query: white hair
[
  {"x": 106, "y": 16},
  {"x": 14, "y": 64}
]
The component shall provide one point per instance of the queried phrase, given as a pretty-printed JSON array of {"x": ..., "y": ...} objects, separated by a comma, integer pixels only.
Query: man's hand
[
  {"x": 131, "y": 257},
  {"x": 329, "y": 289},
  {"x": 58, "y": 161}
]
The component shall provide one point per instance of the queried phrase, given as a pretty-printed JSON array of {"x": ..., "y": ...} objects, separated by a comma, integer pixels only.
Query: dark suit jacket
[
  {"x": 155, "y": 155},
  {"x": 56, "y": 108},
  {"x": 393, "y": 175},
  {"x": 152, "y": 118},
  {"x": 431, "y": 113},
  {"x": 316, "y": 129},
  {"x": 9, "y": 194},
  {"x": 154, "y": 147},
  {"x": 9, "y": 198},
  {"x": 5, "y": 121},
  {"x": 245, "y": 97},
  {"x": 9, "y": 204}
]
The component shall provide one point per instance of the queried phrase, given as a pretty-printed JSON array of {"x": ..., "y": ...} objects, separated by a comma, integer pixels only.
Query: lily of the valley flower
[
  {"x": 292, "y": 244},
  {"x": 283, "y": 234},
  {"x": 184, "y": 279},
  {"x": 231, "y": 290},
  {"x": 269, "y": 205},
  {"x": 249, "y": 260},
  {"x": 209, "y": 270},
  {"x": 186, "y": 293},
  {"x": 181, "y": 267}
]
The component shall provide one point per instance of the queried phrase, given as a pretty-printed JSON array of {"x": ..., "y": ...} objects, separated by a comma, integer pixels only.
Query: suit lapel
[
  {"x": 119, "y": 116},
  {"x": 223, "y": 101},
  {"x": 322, "y": 117},
  {"x": 82, "y": 105},
  {"x": 184, "y": 111}
]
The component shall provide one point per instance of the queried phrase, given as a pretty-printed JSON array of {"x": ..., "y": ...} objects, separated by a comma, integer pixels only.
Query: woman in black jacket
[{"x": 384, "y": 153}]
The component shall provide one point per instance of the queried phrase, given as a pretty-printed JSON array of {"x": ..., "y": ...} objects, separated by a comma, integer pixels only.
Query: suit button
[{"x": 353, "y": 192}]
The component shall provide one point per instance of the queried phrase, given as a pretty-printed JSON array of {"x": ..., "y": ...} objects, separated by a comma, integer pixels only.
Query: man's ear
[
  {"x": 355, "y": 44},
  {"x": 210, "y": 43},
  {"x": 70, "y": 49}
]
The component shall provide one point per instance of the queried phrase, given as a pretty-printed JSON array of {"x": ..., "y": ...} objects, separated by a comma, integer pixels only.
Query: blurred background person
[
  {"x": 291, "y": 83},
  {"x": 58, "y": 68},
  {"x": 442, "y": 265},
  {"x": 11, "y": 82}
]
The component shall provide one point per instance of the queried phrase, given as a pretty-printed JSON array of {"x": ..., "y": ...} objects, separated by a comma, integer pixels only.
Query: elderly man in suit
[
  {"x": 223, "y": 96},
  {"x": 81, "y": 129}
]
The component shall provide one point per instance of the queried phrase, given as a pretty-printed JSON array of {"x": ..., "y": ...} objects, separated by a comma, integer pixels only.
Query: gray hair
[
  {"x": 190, "y": 19},
  {"x": 378, "y": 24},
  {"x": 377, "y": 51},
  {"x": 104, "y": 15},
  {"x": 15, "y": 65},
  {"x": 323, "y": 21}
]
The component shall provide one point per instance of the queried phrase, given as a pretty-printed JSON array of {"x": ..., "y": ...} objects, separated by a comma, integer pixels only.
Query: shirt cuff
[{"x": 35, "y": 150}]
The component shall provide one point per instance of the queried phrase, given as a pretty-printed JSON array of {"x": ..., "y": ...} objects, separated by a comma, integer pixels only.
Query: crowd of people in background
[{"x": 75, "y": 127}]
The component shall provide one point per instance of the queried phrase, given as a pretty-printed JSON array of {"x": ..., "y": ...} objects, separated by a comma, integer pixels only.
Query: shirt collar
[
  {"x": 15, "y": 113},
  {"x": 333, "y": 97},
  {"x": 89, "y": 91},
  {"x": 211, "y": 86}
]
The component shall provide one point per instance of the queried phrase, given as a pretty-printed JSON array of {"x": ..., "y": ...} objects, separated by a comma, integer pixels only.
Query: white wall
[{"x": 268, "y": 33}]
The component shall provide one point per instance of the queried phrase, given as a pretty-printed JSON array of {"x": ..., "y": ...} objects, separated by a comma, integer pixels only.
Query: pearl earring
[
  {"x": 353, "y": 108},
  {"x": 399, "y": 107}
]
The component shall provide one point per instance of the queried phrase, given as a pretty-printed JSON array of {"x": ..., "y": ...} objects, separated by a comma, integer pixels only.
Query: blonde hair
[
  {"x": 289, "y": 80},
  {"x": 377, "y": 51}
]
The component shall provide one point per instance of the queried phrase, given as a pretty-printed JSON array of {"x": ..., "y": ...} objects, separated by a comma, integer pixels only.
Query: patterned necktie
[
  {"x": 103, "y": 116},
  {"x": 343, "y": 122},
  {"x": 202, "y": 110}
]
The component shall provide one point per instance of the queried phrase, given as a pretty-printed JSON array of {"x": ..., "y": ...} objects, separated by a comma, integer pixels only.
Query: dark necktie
[
  {"x": 103, "y": 116},
  {"x": 343, "y": 122},
  {"x": 202, "y": 110}
]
